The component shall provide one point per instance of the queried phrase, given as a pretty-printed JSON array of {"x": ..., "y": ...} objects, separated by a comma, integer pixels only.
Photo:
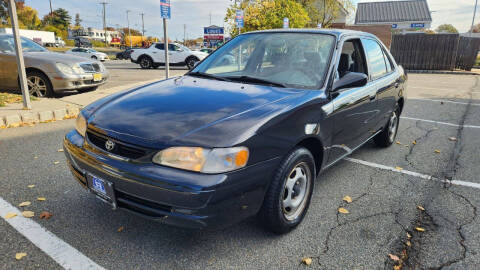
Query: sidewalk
[{"x": 53, "y": 109}]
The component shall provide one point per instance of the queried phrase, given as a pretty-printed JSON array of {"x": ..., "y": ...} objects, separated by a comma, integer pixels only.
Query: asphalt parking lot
[{"x": 434, "y": 164}]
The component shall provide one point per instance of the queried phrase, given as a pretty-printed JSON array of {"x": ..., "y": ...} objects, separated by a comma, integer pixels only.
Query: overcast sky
[{"x": 196, "y": 13}]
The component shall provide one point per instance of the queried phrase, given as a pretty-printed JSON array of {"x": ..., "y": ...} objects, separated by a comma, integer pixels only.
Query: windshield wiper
[
  {"x": 209, "y": 76},
  {"x": 251, "y": 79}
]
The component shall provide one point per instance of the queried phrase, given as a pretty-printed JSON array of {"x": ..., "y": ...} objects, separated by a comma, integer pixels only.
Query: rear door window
[
  {"x": 376, "y": 59},
  {"x": 160, "y": 46}
]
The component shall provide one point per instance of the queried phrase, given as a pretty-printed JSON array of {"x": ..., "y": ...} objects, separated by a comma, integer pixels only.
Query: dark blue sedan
[{"x": 248, "y": 136}]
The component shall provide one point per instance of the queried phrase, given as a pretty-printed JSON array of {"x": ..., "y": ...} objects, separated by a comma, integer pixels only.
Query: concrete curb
[
  {"x": 442, "y": 72},
  {"x": 30, "y": 118}
]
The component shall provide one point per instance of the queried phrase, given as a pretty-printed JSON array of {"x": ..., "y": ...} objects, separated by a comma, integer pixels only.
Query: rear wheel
[
  {"x": 39, "y": 85},
  {"x": 288, "y": 197},
  {"x": 389, "y": 132},
  {"x": 146, "y": 62},
  {"x": 190, "y": 61},
  {"x": 94, "y": 57}
]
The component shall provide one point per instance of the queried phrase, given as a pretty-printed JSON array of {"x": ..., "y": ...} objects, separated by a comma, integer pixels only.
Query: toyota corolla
[{"x": 233, "y": 139}]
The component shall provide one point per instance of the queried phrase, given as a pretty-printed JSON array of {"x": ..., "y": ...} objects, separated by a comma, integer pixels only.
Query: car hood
[
  {"x": 54, "y": 57},
  {"x": 187, "y": 110}
]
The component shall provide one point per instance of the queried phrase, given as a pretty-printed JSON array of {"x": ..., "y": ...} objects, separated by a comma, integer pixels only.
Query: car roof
[{"x": 336, "y": 32}]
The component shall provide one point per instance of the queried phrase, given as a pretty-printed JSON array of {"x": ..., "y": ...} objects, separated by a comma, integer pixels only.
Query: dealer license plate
[{"x": 97, "y": 77}]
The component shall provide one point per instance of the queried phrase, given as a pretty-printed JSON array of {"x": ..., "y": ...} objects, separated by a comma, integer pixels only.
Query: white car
[
  {"x": 154, "y": 56},
  {"x": 88, "y": 53}
]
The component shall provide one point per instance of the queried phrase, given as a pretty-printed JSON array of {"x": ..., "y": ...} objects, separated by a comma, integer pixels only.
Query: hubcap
[
  {"x": 296, "y": 189},
  {"x": 392, "y": 126},
  {"x": 191, "y": 63},
  {"x": 145, "y": 63},
  {"x": 37, "y": 86}
]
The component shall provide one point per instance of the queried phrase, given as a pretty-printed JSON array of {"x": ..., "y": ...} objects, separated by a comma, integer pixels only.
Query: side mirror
[{"x": 351, "y": 79}]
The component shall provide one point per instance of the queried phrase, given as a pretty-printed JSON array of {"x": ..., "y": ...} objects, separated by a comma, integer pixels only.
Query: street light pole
[
  {"x": 128, "y": 25},
  {"x": 473, "y": 20},
  {"x": 12, "y": 10},
  {"x": 143, "y": 26},
  {"x": 104, "y": 22}
]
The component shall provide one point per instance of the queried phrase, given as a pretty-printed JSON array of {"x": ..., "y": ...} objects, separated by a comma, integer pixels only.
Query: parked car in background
[
  {"x": 88, "y": 53},
  {"x": 232, "y": 140},
  {"x": 154, "y": 56},
  {"x": 48, "y": 72},
  {"x": 125, "y": 54},
  {"x": 83, "y": 42},
  {"x": 206, "y": 50},
  {"x": 59, "y": 42}
]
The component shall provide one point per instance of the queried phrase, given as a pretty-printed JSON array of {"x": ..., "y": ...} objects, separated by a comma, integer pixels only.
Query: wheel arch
[
  {"x": 32, "y": 69},
  {"x": 315, "y": 146},
  {"x": 401, "y": 102}
]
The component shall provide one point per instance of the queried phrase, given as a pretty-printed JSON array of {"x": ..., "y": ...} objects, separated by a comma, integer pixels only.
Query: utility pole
[
  {"x": 51, "y": 13},
  {"x": 12, "y": 10},
  {"x": 143, "y": 27},
  {"x": 128, "y": 26},
  {"x": 210, "y": 18},
  {"x": 473, "y": 20},
  {"x": 104, "y": 22},
  {"x": 184, "y": 32}
]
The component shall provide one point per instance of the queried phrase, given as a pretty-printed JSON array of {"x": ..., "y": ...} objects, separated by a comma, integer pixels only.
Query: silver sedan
[{"x": 48, "y": 72}]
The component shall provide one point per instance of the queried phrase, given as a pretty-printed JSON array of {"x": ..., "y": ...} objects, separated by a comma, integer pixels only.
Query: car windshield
[
  {"x": 7, "y": 45},
  {"x": 183, "y": 47},
  {"x": 297, "y": 60}
]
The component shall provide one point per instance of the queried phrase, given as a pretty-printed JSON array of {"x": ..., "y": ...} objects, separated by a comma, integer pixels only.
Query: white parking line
[
  {"x": 446, "y": 101},
  {"x": 438, "y": 122},
  {"x": 415, "y": 174},
  {"x": 64, "y": 254}
]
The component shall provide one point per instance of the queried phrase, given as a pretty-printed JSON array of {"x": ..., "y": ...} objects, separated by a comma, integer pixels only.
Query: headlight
[
  {"x": 102, "y": 67},
  {"x": 77, "y": 69},
  {"x": 65, "y": 69},
  {"x": 199, "y": 159},
  {"x": 81, "y": 124}
]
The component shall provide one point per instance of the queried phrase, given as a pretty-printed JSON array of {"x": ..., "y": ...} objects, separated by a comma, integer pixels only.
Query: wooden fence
[
  {"x": 467, "y": 52},
  {"x": 425, "y": 51}
]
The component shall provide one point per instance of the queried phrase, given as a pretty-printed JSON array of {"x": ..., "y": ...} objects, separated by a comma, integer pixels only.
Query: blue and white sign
[
  {"x": 213, "y": 30},
  {"x": 239, "y": 18},
  {"x": 394, "y": 26},
  {"x": 417, "y": 25},
  {"x": 286, "y": 23},
  {"x": 165, "y": 11}
]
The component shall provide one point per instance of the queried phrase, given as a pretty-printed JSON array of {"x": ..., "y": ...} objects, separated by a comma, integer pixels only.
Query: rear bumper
[{"x": 172, "y": 196}]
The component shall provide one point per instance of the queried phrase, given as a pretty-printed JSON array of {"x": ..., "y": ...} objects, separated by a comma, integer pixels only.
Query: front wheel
[
  {"x": 39, "y": 85},
  {"x": 389, "y": 132},
  {"x": 146, "y": 62},
  {"x": 288, "y": 197},
  {"x": 190, "y": 61},
  {"x": 94, "y": 57}
]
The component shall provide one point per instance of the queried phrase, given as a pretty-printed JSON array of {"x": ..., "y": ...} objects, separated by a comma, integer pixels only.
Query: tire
[
  {"x": 190, "y": 62},
  {"x": 389, "y": 132},
  {"x": 296, "y": 174},
  {"x": 94, "y": 57},
  {"x": 145, "y": 62},
  {"x": 39, "y": 85},
  {"x": 85, "y": 90}
]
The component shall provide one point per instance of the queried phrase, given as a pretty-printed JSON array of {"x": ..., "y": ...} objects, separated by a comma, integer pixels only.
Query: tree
[
  {"x": 476, "y": 28},
  {"x": 61, "y": 18},
  {"x": 267, "y": 14},
  {"x": 28, "y": 18},
  {"x": 446, "y": 28},
  {"x": 3, "y": 12},
  {"x": 77, "y": 20},
  {"x": 134, "y": 32},
  {"x": 325, "y": 12}
]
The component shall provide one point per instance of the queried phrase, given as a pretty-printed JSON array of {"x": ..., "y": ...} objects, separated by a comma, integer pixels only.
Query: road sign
[
  {"x": 165, "y": 11},
  {"x": 417, "y": 25},
  {"x": 286, "y": 23},
  {"x": 239, "y": 18}
]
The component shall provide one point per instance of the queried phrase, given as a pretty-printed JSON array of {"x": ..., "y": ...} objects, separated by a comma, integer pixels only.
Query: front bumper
[
  {"x": 172, "y": 196},
  {"x": 73, "y": 82}
]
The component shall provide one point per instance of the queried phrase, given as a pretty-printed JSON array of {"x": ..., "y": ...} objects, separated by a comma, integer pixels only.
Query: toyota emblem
[{"x": 109, "y": 145}]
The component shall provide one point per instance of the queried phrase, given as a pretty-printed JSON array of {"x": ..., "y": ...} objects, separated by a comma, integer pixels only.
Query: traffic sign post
[
  {"x": 239, "y": 19},
  {"x": 12, "y": 9},
  {"x": 286, "y": 23},
  {"x": 165, "y": 12}
]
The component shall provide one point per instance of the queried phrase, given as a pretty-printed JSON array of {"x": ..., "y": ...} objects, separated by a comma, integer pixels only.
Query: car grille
[
  {"x": 90, "y": 68},
  {"x": 120, "y": 149}
]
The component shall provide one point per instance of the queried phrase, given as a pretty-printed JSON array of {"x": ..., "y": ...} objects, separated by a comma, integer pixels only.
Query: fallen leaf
[
  {"x": 56, "y": 162},
  {"x": 409, "y": 243},
  {"x": 10, "y": 215},
  {"x": 420, "y": 207},
  {"x": 406, "y": 145},
  {"x": 307, "y": 261},
  {"x": 420, "y": 229},
  {"x": 398, "y": 168},
  {"x": 409, "y": 235},
  {"x": 453, "y": 139},
  {"x": 31, "y": 186},
  {"x": 437, "y": 151},
  {"x": 394, "y": 257},
  {"x": 348, "y": 199},
  {"x": 20, "y": 255},
  {"x": 343, "y": 210},
  {"x": 45, "y": 215},
  {"x": 22, "y": 204},
  {"x": 397, "y": 267},
  {"x": 35, "y": 157},
  {"x": 60, "y": 150},
  {"x": 41, "y": 199},
  {"x": 120, "y": 229},
  {"x": 398, "y": 142},
  {"x": 414, "y": 142},
  {"x": 28, "y": 214}
]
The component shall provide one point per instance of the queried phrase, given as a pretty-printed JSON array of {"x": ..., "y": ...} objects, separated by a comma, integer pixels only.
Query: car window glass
[
  {"x": 173, "y": 47},
  {"x": 7, "y": 45},
  {"x": 375, "y": 58},
  {"x": 390, "y": 66},
  {"x": 293, "y": 59},
  {"x": 160, "y": 46},
  {"x": 352, "y": 58}
]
